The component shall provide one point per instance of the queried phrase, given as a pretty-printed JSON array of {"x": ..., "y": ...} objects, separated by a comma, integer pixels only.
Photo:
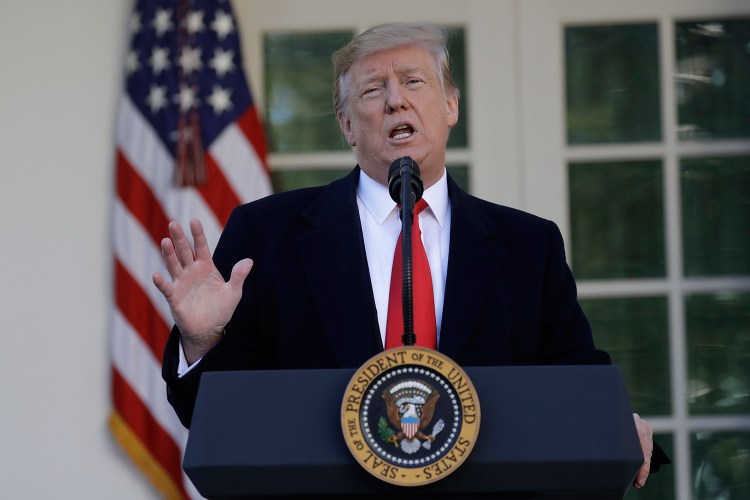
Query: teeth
[{"x": 402, "y": 135}]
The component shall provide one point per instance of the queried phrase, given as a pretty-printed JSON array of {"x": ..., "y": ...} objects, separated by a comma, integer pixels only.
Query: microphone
[
  {"x": 405, "y": 171},
  {"x": 406, "y": 188}
]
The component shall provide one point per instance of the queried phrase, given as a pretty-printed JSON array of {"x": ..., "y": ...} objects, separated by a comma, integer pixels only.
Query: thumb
[{"x": 240, "y": 272}]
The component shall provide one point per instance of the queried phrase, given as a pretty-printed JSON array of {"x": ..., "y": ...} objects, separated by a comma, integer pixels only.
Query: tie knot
[{"x": 419, "y": 206}]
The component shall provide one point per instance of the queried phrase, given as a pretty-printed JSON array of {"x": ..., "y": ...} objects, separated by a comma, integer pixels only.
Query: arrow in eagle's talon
[{"x": 439, "y": 425}]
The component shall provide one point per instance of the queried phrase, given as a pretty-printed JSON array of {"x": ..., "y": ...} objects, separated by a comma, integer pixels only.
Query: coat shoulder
[{"x": 509, "y": 223}]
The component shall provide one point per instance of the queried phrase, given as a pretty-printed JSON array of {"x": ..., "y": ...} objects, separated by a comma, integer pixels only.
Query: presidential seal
[{"x": 410, "y": 416}]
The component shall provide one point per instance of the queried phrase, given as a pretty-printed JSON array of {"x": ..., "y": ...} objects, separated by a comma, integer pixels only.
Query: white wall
[{"x": 60, "y": 74}]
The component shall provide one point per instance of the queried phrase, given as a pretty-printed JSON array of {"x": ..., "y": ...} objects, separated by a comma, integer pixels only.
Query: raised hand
[{"x": 201, "y": 302}]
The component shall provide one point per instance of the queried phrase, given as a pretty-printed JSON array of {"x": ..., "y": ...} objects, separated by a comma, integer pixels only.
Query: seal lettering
[{"x": 410, "y": 416}]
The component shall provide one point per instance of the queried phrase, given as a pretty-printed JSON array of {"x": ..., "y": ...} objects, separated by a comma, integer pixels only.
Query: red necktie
[{"x": 424, "y": 303}]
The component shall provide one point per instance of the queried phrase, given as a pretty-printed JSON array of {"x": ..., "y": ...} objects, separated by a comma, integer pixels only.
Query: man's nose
[{"x": 395, "y": 99}]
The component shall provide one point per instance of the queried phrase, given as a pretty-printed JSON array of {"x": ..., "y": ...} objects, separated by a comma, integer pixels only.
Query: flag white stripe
[
  {"x": 240, "y": 164},
  {"x": 189, "y": 487},
  {"x": 136, "y": 364},
  {"x": 130, "y": 352},
  {"x": 146, "y": 153},
  {"x": 139, "y": 141},
  {"x": 137, "y": 252}
]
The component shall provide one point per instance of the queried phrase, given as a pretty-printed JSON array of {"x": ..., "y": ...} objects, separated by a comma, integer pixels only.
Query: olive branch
[{"x": 384, "y": 430}]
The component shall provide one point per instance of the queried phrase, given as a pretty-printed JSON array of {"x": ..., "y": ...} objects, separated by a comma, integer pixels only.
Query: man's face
[{"x": 394, "y": 107}]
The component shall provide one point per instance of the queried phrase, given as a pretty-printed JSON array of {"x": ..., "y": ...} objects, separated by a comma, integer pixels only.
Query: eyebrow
[{"x": 400, "y": 71}]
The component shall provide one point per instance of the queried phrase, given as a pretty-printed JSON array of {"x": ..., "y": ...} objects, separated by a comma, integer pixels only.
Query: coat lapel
[
  {"x": 333, "y": 256},
  {"x": 474, "y": 262},
  {"x": 335, "y": 264}
]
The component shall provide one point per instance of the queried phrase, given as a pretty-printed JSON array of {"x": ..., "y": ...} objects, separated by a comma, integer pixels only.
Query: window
[{"x": 660, "y": 228}]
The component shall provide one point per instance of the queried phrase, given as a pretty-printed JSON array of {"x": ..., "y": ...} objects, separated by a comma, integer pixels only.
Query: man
[{"x": 319, "y": 290}]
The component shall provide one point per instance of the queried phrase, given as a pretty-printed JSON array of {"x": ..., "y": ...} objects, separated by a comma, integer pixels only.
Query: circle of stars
[{"x": 414, "y": 372}]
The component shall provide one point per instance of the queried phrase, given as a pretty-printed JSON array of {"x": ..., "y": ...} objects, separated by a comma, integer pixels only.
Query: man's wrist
[{"x": 195, "y": 349}]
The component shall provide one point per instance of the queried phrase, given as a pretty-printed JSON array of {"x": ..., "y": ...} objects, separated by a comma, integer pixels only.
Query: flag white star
[
  {"x": 159, "y": 59},
  {"x": 162, "y": 21},
  {"x": 222, "y": 61},
  {"x": 222, "y": 25},
  {"x": 195, "y": 22},
  {"x": 190, "y": 59},
  {"x": 220, "y": 100},
  {"x": 157, "y": 97},
  {"x": 131, "y": 62},
  {"x": 186, "y": 133},
  {"x": 135, "y": 23},
  {"x": 187, "y": 97}
]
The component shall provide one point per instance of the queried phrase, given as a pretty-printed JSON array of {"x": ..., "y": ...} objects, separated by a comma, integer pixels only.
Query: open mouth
[{"x": 401, "y": 132}]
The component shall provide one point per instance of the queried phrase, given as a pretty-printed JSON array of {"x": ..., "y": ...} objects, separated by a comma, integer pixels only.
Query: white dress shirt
[{"x": 381, "y": 227}]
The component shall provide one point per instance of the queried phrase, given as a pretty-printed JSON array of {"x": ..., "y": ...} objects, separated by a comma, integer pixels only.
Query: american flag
[{"x": 189, "y": 144}]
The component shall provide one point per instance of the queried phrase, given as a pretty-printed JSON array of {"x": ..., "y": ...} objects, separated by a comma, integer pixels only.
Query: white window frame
[
  {"x": 546, "y": 155},
  {"x": 492, "y": 152}
]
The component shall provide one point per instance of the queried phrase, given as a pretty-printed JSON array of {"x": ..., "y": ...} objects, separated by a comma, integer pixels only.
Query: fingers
[
  {"x": 164, "y": 286},
  {"x": 173, "y": 265},
  {"x": 176, "y": 250},
  {"x": 640, "y": 478},
  {"x": 182, "y": 247},
  {"x": 239, "y": 273},
  {"x": 199, "y": 240},
  {"x": 646, "y": 437}
]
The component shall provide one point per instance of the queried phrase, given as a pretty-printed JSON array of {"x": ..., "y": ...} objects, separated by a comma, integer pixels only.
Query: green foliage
[{"x": 384, "y": 430}]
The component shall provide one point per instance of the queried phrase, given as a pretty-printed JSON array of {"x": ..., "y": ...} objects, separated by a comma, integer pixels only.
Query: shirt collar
[{"x": 376, "y": 199}]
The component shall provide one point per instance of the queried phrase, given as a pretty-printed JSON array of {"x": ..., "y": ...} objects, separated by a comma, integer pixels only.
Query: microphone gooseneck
[{"x": 406, "y": 188}]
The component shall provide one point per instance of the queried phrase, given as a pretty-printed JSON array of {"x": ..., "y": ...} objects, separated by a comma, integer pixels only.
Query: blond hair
[{"x": 388, "y": 36}]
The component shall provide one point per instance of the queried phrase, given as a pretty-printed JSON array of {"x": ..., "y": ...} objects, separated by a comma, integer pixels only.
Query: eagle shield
[{"x": 411, "y": 406}]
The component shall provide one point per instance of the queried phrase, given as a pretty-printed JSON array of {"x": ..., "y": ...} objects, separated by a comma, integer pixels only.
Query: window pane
[
  {"x": 617, "y": 221},
  {"x": 457, "y": 48},
  {"x": 721, "y": 462},
  {"x": 612, "y": 83},
  {"x": 659, "y": 486},
  {"x": 299, "y": 91},
  {"x": 286, "y": 180},
  {"x": 718, "y": 342},
  {"x": 713, "y": 79},
  {"x": 716, "y": 215},
  {"x": 460, "y": 174},
  {"x": 635, "y": 333}
]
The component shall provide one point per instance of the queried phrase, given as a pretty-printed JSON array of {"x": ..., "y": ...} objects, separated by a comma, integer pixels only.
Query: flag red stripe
[
  {"x": 139, "y": 419},
  {"x": 217, "y": 192},
  {"x": 250, "y": 125},
  {"x": 144, "y": 189},
  {"x": 136, "y": 307},
  {"x": 136, "y": 194}
]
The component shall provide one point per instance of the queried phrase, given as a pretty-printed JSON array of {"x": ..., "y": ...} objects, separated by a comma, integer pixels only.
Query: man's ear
[
  {"x": 346, "y": 128},
  {"x": 451, "y": 109}
]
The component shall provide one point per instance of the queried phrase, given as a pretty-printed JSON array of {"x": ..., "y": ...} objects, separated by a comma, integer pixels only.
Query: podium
[{"x": 546, "y": 432}]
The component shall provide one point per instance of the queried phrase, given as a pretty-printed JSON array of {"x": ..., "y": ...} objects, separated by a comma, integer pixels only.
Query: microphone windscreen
[{"x": 395, "y": 171}]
